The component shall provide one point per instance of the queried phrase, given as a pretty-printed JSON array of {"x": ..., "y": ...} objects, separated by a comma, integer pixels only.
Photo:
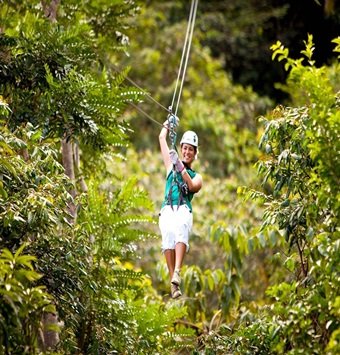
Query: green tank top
[{"x": 175, "y": 193}]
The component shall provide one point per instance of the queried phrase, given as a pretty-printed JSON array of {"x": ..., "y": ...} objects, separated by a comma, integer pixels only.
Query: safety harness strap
[{"x": 182, "y": 191}]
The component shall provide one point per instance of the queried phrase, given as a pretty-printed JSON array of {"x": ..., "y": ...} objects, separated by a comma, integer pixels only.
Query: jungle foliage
[
  {"x": 262, "y": 275},
  {"x": 56, "y": 90},
  {"x": 300, "y": 143}
]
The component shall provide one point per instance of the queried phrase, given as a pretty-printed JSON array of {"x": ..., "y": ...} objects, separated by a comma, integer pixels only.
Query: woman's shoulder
[
  {"x": 196, "y": 176},
  {"x": 169, "y": 172},
  {"x": 191, "y": 170}
]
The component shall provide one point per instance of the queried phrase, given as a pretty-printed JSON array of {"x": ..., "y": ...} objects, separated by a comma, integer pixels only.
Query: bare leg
[
  {"x": 180, "y": 250},
  {"x": 170, "y": 260},
  {"x": 174, "y": 257}
]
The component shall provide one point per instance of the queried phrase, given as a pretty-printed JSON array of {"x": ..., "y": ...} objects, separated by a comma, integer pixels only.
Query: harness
[
  {"x": 183, "y": 192},
  {"x": 182, "y": 186}
]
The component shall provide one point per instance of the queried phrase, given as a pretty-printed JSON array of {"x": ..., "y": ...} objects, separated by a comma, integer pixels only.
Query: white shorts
[{"x": 175, "y": 225}]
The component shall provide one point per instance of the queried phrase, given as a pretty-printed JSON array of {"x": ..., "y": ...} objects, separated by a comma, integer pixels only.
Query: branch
[
  {"x": 50, "y": 10},
  {"x": 304, "y": 270}
]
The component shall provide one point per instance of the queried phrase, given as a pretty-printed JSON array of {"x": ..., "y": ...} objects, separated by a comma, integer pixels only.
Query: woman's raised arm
[{"x": 164, "y": 145}]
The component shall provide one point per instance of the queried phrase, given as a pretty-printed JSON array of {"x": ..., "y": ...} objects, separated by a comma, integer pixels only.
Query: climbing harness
[
  {"x": 182, "y": 186},
  {"x": 183, "y": 191}
]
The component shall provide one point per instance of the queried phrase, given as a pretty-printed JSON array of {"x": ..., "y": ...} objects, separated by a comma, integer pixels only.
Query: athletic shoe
[
  {"x": 176, "y": 278},
  {"x": 175, "y": 291}
]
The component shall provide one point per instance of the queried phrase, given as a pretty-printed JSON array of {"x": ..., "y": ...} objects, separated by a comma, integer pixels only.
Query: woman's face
[{"x": 188, "y": 153}]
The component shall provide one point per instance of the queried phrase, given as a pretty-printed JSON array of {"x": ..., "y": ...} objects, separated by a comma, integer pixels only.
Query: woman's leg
[
  {"x": 180, "y": 250},
  {"x": 170, "y": 260},
  {"x": 184, "y": 220}
]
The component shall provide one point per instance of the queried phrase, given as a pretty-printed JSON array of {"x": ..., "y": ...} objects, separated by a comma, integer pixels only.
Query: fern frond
[{"x": 120, "y": 76}]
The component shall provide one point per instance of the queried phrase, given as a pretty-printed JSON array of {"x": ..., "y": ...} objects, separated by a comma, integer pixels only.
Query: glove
[
  {"x": 173, "y": 119},
  {"x": 175, "y": 161}
]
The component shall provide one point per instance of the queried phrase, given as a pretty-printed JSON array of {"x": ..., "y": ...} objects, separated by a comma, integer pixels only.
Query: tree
[
  {"x": 32, "y": 213},
  {"x": 22, "y": 304},
  {"x": 52, "y": 73},
  {"x": 241, "y": 34},
  {"x": 58, "y": 88},
  {"x": 302, "y": 203}
]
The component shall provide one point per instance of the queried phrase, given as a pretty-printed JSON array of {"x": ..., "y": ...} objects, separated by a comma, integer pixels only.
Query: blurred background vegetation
[{"x": 81, "y": 177}]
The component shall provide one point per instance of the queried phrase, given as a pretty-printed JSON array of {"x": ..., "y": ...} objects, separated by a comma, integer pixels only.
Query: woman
[{"x": 176, "y": 218}]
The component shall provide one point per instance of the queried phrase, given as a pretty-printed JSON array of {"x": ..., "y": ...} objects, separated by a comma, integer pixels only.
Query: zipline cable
[
  {"x": 145, "y": 92},
  {"x": 118, "y": 71},
  {"x": 145, "y": 114},
  {"x": 185, "y": 55},
  {"x": 180, "y": 77}
]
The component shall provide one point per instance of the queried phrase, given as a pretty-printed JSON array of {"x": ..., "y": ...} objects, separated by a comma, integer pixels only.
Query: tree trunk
[
  {"x": 68, "y": 163},
  {"x": 79, "y": 175},
  {"x": 50, "y": 338}
]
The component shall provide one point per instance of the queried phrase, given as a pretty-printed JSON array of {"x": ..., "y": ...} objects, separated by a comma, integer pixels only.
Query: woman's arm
[
  {"x": 194, "y": 184},
  {"x": 164, "y": 145}
]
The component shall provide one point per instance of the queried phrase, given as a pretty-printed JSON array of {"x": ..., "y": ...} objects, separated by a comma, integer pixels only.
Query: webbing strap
[{"x": 181, "y": 195}]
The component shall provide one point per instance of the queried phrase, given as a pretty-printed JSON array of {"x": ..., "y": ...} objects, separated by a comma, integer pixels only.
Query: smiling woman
[{"x": 175, "y": 217}]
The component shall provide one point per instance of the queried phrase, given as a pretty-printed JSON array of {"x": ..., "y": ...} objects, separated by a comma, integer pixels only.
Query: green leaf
[{"x": 3, "y": 192}]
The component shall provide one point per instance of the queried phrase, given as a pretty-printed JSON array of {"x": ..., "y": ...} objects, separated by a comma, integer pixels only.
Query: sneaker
[
  {"x": 176, "y": 278},
  {"x": 175, "y": 291}
]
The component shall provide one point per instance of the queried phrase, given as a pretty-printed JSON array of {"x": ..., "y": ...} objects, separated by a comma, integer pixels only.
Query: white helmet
[{"x": 190, "y": 137}]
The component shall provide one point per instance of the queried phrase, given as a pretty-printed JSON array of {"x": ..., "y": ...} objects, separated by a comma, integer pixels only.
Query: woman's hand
[
  {"x": 175, "y": 160},
  {"x": 166, "y": 124}
]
